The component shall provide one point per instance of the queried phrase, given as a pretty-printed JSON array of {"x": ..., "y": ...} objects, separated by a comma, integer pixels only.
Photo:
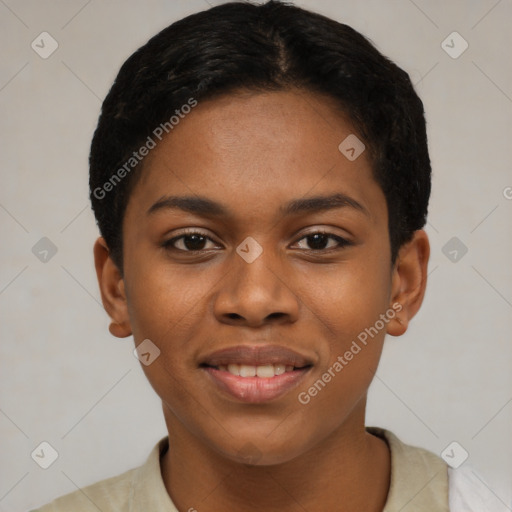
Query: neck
[{"x": 349, "y": 470}]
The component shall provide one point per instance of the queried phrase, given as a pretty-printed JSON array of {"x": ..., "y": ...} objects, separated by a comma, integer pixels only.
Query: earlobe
[
  {"x": 409, "y": 281},
  {"x": 112, "y": 290}
]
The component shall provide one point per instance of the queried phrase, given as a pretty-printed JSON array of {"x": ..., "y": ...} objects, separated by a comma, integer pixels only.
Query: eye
[
  {"x": 195, "y": 241},
  {"x": 319, "y": 241},
  {"x": 188, "y": 242}
]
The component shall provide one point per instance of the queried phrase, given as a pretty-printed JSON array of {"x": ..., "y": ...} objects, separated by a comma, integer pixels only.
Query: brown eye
[
  {"x": 188, "y": 242},
  {"x": 319, "y": 241}
]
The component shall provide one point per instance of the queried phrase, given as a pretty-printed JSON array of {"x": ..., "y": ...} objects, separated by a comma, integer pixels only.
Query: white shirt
[{"x": 469, "y": 492}]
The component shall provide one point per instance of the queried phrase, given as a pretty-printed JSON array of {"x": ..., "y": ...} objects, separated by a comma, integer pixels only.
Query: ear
[
  {"x": 409, "y": 281},
  {"x": 112, "y": 290}
]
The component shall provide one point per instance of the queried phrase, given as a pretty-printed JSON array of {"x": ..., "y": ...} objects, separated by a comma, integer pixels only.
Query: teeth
[
  {"x": 264, "y": 371},
  {"x": 279, "y": 369},
  {"x": 233, "y": 368},
  {"x": 247, "y": 371}
]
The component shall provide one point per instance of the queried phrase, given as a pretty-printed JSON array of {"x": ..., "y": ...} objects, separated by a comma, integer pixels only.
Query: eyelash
[{"x": 342, "y": 242}]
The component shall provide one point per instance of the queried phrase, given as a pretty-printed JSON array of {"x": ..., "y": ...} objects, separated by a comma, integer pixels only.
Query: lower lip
[{"x": 256, "y": 389}]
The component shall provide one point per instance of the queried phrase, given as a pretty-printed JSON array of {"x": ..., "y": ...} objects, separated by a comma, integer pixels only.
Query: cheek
[
  {"x": 354, "y": 304},
  {"x": 164, "y": 303},
  {"x": 350, "y": 299},
  {"x": 168, "y": 307}
]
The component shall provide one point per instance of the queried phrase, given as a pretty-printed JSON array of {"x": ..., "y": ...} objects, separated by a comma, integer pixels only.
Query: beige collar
[{"x": 419, "y": 480}]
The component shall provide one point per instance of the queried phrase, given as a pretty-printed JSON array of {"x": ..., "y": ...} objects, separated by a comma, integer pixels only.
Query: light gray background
[{"x": 67, "y": 381}]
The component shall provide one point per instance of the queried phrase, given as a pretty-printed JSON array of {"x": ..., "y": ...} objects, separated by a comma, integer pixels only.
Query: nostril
[{"x": 276, "y": 315}]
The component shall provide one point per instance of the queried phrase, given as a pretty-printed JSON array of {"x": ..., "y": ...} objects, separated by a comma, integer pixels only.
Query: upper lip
[{"x": 256, "y": 355}]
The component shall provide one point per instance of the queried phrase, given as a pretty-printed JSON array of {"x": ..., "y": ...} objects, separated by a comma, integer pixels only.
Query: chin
[{"x": 256, "y": 453}]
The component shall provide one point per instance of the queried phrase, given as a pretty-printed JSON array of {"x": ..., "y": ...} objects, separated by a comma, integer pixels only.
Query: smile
[
  {"x": 265, "y": 371},
  {"x": 254, "y": 389},
  {"x": 255, "y": 373}
]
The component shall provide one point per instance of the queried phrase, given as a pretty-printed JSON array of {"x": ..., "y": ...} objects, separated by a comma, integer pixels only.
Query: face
[{"x": 253, "y": 245}]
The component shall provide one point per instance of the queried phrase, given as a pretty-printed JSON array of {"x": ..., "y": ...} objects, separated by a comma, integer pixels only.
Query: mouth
[
  {"x": 255, "y": 374},
  {"x": 263, "y": 371}
]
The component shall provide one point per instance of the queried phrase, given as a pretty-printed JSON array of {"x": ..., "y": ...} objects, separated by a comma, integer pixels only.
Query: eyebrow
[{"x": 203, "y": 206}]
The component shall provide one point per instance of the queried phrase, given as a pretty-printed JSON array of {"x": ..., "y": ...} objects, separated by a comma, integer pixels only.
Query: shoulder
[
  {"x": 141, "y": 488},
  {"x": 112, "y": 494},
  {"x": 469, "y": 492},
  {"x": 418, "y": 478}
]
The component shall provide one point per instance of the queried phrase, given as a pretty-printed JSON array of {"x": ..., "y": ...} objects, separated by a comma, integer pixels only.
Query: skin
[{"x": 254, "y": 152}]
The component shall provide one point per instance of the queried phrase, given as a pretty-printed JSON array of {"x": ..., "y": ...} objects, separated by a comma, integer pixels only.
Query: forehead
[{"x": 255, "y": 152}]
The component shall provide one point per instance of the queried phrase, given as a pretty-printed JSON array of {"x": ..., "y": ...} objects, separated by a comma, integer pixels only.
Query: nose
[{"x": 257, "y": 293}]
